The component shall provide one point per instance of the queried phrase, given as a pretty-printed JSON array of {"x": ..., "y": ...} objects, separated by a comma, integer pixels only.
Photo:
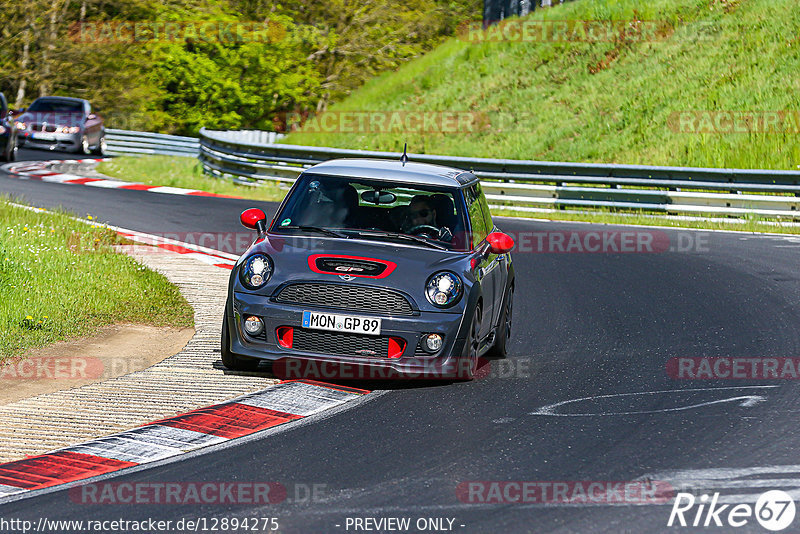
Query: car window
[
  {"x": 57, "y": 106},
  {"x": 349, "y": 204},
  {"x": 487, "y": 214},
  {"x": 476, "y": 215}
]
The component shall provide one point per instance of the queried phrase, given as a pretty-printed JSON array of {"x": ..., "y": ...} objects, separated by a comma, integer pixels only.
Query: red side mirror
[
  {"x": 499, "y": 243},
  {"x": 255, "y": 219}
]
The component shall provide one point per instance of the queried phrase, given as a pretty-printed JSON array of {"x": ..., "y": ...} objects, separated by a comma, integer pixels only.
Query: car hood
[
  {"x": 408, "y": 266},
  {"x": 53, "y": 118}
]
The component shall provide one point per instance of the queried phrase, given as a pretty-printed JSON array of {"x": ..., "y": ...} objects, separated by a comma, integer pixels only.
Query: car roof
[
  {"x": 64, "y": 98},
  {"x": 394, "y": 171}
]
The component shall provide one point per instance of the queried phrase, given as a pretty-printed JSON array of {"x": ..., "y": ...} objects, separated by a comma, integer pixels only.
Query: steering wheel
[{"x": 432, "y": 231}]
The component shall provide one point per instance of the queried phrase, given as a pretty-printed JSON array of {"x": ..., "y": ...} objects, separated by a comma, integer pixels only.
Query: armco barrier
[
  {"x": 146, "y": 143},
  {"x": 540, "y": 184}
]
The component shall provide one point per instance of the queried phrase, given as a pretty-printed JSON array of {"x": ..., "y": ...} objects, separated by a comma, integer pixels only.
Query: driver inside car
[
  {"x": 420, "y": 212},
  {"x": 421, "y": 218}
]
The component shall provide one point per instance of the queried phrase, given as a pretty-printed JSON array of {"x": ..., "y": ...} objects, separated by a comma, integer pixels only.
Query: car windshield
[
  {"x": 374, "y": 209},
  {"x": 57, "y": 106}
]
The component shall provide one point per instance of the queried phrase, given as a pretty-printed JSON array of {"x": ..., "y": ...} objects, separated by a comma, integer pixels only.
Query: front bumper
[
  {"x": 51, "y": 140},
  {"x": 412, "y": 363}
]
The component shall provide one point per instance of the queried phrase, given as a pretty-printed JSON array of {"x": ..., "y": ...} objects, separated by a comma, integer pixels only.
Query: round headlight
[
  {"x": 443, "y": 289},
  {"x": 21, "y": 125},
  {"x": 256, "y": 271}
]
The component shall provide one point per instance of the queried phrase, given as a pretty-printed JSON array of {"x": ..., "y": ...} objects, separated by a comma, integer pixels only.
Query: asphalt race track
[{"x": 594, "y": 326}]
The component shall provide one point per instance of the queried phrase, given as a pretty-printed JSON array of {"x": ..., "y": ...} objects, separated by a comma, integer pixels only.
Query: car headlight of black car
[
  {"x": 443, "y": 289},
  {"x": 256, "y": 271}
]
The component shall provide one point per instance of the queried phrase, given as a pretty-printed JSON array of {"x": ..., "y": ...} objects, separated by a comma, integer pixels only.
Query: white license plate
[
  {"x": 44, "y": 136},
  {"x": 341, "y": 323}
]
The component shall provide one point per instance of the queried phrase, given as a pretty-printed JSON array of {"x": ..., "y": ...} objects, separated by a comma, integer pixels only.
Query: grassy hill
[{"x": 617, "y": 101}]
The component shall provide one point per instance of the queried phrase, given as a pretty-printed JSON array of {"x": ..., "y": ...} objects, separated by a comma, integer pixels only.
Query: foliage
[
  {"x": 309, "y": 54},
  {"x": 611, "y": 101}
]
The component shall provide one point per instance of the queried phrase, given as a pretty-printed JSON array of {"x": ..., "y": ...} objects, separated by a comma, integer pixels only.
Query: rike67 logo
[{"x": 774, "y": 510}]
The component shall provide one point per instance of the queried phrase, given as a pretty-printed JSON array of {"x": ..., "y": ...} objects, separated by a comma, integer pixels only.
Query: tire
[
  {"x": 500, "y": 348},
  {"x": 10, "y": 153},
  {"x": 472, "y": 344},
  {"x": 100, "y": 150},
  {"x": 231, "y": 360}
]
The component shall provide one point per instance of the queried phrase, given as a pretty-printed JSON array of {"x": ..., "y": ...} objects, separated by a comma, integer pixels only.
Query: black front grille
[
  {"x": 340, "y": 343},
  {"x": 346, "y": 297},
  {"x": 347, "y": 266}
]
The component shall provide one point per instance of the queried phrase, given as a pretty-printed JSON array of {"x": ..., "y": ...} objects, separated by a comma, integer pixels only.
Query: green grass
[
  {"x": 604, "y": 102},
  {"x": 61, "y": 279},
  {"x": 186, "y": 173}
]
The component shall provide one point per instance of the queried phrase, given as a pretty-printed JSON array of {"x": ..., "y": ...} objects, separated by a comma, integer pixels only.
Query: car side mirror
[
  {"x": 499, "y": 243},
  {"x": 91, "y": 117},
  {"x": 255, "y": 219}
]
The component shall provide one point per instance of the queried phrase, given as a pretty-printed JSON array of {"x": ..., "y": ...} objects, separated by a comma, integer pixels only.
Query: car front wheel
[
  {"x": 470, "y": 358},
  {"x": 11, "y": 152},
  {"x": 500, "y": 347},
  {"x": 100, "y": 149}
]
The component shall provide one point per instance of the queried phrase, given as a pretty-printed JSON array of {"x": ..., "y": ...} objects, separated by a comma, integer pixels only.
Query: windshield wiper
[
  {"x": 319, "y": 230},
  {"x": 414, "y": 238}
]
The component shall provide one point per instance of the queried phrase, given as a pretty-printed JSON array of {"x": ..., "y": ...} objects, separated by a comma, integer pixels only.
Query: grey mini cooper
[{"x": 372, "y": 269}]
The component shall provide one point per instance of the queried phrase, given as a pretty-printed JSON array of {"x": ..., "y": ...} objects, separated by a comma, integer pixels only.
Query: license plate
[
  {"x": 341, "y": 323},
  {"x": 44, "y": 136}
]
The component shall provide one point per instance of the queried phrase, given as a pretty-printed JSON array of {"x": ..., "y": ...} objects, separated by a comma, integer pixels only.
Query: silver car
[{"x": 62, "y": 123}]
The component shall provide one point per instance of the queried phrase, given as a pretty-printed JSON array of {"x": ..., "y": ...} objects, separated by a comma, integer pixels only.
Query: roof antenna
[{"x": 404, "y": 157}]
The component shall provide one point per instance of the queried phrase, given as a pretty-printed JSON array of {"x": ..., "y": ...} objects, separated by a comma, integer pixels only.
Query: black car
[
  {"x": 62, "y": 123},
  {"x": 372, "y": 269},
  {"x": 8, "y": 133}
]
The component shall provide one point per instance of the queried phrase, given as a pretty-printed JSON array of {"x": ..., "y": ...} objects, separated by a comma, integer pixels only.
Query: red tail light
[{"x": 285, "y": 335}]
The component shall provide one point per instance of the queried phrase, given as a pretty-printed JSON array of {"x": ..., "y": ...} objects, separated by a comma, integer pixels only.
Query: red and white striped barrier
[
  {"x": 277, "y": 405},
  {"x": 206, "y": 255},
  {"x": 40, "y": 170}
]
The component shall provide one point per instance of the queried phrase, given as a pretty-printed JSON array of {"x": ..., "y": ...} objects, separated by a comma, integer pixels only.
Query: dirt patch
[{"x": 115, "y": 351}]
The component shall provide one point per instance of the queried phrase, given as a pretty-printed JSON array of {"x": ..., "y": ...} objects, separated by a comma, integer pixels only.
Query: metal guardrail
[
  {"x": 542, "y": 184},
  {"x": 146, "y": 143},
  {"x": 250, "y": 136}
]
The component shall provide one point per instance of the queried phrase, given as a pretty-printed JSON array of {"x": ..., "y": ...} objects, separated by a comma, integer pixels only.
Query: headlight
[
  {"x": 21, "y": 125},
  {"x": 256, "y": 271},
  {"x": 443, "y": 289},
  {"x": 69, "y": 129}
]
